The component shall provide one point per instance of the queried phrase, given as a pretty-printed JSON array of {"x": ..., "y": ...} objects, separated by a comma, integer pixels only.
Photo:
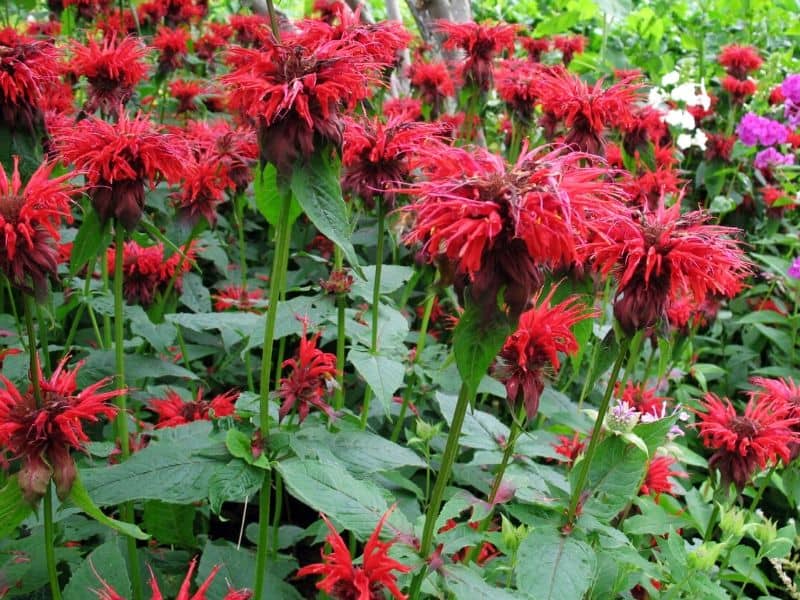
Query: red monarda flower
[
  {"x": 375, "y": 155},
  {"x": 88, "y": 9},
  {"x": 184, "y": 593},
  {"x": 410, "y": 109},
  {"x": 481, "y": 42},
  {"x": 117, "y": 23},
  {"x": 239, "y": 298},
  {"x": 647, "y": 189},
  {"x": 172, "y": 45},
  {"x": 118, "y": 158},
  {"x": 569, "y": 447},
  {"x": 433, "y": 82},
  {"x": 646, "y": 126},
  {"x": 532, "y": 351},
  {"x": 249, "y": 30},
  {"x": 219, "y": 143},
  {"x": 172, "y": 411},
  {"x": 30, "y": 219},
  {"x": 113, "y": 68},
  {"x": 345, "y": 581},
  {"x": 311, "y": 379},
  {"x": 295, "y": 92},
  {"x": 517, "y": 83},
  {"x": 739, "y": 89},
  {"x": 185, "y": 92},
  {"x": 745, "y": 442},
  {"x": 659, "y": 475},
  {"x": 587, "y": 111},
  {"x": 643, "y": 399},
  {"x": 383, "y": 41},
  {"x": 720, "y": 146},
  {"x": 147, "y": 271},
  {"x": 740, "y": 61},
  {"x": 535, "y": 47},
  {"x": 663, "y": 255},
  {"x": 569, "y": 45},
  {"x": 42, "y": 436},
  {"x": 215, "y": 37},
  {"x": 27, "y": 68},
  {"x": 203, "y": 189},
  {"x": 493, "y": 226},
  {"x": 779, "y": 392}
]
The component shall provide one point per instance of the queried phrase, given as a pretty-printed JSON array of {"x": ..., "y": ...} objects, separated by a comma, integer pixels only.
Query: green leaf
[
  {"x": 194, "y": 295},
  {"x": 236, "y": 482},
  {"x": 80, "y": 497},
  {"x": 159, "y": 336},
  {"x": 102, "y": 363},
  {"x": 614, "y": 477},
  {"x": 476, "y": 342},
  {"x": 13, "y": 508},
  {"x": 392, "y": 278},
  {"x": 551, "y": 566},
  {"x": 104, "y": 564},
  {"x": 88, "y": 243},
  {"x": 466, "y": 582},
  {"x": 384, "y": 375},
  {"x": 170, "y": 523},
  {"x": 354, "y": 504},
  {"x": 315, "y": 185},
  {"x": 268, "y": 195}
]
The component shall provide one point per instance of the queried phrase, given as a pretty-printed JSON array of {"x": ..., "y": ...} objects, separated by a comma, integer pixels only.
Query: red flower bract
[
  {"x": 745, "y": 442},
  {"x": 345, "y": 581},
  {"x": 118, "y": 158},
  {"x": 493, "y": 226},
  {"x": 295, "y": 92},
  {"x": 657, "y": 480},
  {"x": 113, "y": 68},
  {"x": 29, "y": 226},
  {"x": 147, "y": 271},
  {"x": 739, "y": 61},
  {"x": 530, "y": 352},
  {"x": 42, "y": 436},
  {"x": 311, "y": 379},
  {"x": 482, "y": 42},
  {"x": 662, "y": 255},
  {"x": 239, "y": 298},
  {"x": 173, "y": 411}
]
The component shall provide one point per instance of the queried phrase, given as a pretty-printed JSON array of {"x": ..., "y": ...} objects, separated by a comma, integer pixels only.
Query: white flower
[
  {"x": 680, "y": 118},
  {"x": 687, "y": 93},
  {"x": 700, "y": 139},
  {"x": 656, "y": 98},
  {"x": 686, "y": 140},
  {"x": 670, "y": 78}
]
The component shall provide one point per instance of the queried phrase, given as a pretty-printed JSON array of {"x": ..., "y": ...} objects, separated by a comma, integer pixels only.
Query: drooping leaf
[
  {"x": 90, "y": 240},
  {"x": 80, "y": 497},
  {"x": 102, "y": 363},
  {"x": 476, "y": 342}
]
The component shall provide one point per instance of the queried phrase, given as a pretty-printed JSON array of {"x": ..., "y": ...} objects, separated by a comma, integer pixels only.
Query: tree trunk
[{"x": 426, "y": 12}]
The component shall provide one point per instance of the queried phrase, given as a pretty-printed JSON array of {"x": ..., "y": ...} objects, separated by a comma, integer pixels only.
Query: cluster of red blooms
[
  {"x": 148, "y": 271},
  {"x": 768, "y": 430},
  {"x": 239, "y": 298},
  {"x": 40, "y": 432},
  {"x": 172, "y": 411},
  {"x": 481, "y": 42},
  {"x": 568, "y": 45},
  {"x": 345, "y": 581},
  {"x": 312, "y": 377},
  {"x": 739, "y": 62}
]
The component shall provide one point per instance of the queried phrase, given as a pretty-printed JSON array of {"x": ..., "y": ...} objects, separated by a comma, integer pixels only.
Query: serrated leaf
[
  {"x": 80, "y": 497},
  {"x": 235, "y": 483},
  {"x": 384, "y": 375},
  {"x": 392, "y": 278},
  {"x": 315, "y": 185},
  {"x": 552, "y": 566},
  {"x": 104, "y": 564},
  {"x": 466, "y": 582},
  {"x": 13, "y": 508},
  {"x": 194, "y": 295},
  {"x": 614, "y": 477}
]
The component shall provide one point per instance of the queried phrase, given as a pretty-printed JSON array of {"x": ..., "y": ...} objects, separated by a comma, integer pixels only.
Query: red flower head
[
  {"x": 186, "y": 93},
  {"x": 109, "y": 593},
  {"x": 433, "y": 82},
  {"x": 532, "y": 351},
  {"x": 744, "y": 442},
  {"x": 569, "y": 447},
  {"x": 44, "y": 29},
  {"x": 235, "y": 149},
  {"x": 664, "y": 255},
  {"x": 113, "y": 68},
  {"x": 345, "y": 581},
  {"x": 118, "y": 158},
  {"x": 239, "y": 298},
  {"x": 410, "y": 109},
  {"x": 383, "y": 41},
  {"x": 494, "y": 226},
  {"x": 740, "y": 61},
  {"x": 517, "y": 83},
  {"x": 116, "y": 23},
  {"x": 649, "y": 188},
  {"x": 642, "y": 399},
  {"x": 30, "y": 219},
  {"x": 172, "y": 46},
  {"x": 658, "y": 478},
  {"x": 776, "y": 96},
  {"x": 312, "y": 377},
  {"x": 88, "y": 9},
  {"x": 481, "y": 42},
  {"x": 203, "y": 189},
  {"x": 295, "y": 92},
  {"x": 535, "y": 47},
  {"x": 27, "y": 68},
  {"x": 147, "y": 271},
  {"x": 739, "y": 89},
  {"x": 570, "y": 45},
  {"x": 646, "y": 126},
  {"x": 42, "y": 436},
  {"x": 376, "y": 155},
  {"x": 216, "y": 37},
  {"x": 173, "y": 411},
  {"x": 778, "y": 392},
  {"x": 587, "y": 111},
  {"x": 720, "y": 146},
  {"x": 329, "y": 10}
]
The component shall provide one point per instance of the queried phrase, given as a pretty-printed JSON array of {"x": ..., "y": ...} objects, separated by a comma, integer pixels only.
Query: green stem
[
  {"x": 517, "y": 133},
  {"x": 239, "y": 212},
  {"x": 712, "y": 521},
  {"x": 43, "y": 337},
  {"x": 279, "y": 265},
  {"x": 106, "y": 318},
  {"x": 421, "y": 338},
  {"x": 376, "y": 302},
  {"x": 583, "y": 474},
  {"x": 442, "y": 479},
  {"x": 341, "y": 299},
  {"x": 82, "y": 307},
  {"x": 126, "y": 510},
  {"x": 35, "y": 372},
  {"x": 276, "y": 517},
  {"x": 762, "y": 488}
]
